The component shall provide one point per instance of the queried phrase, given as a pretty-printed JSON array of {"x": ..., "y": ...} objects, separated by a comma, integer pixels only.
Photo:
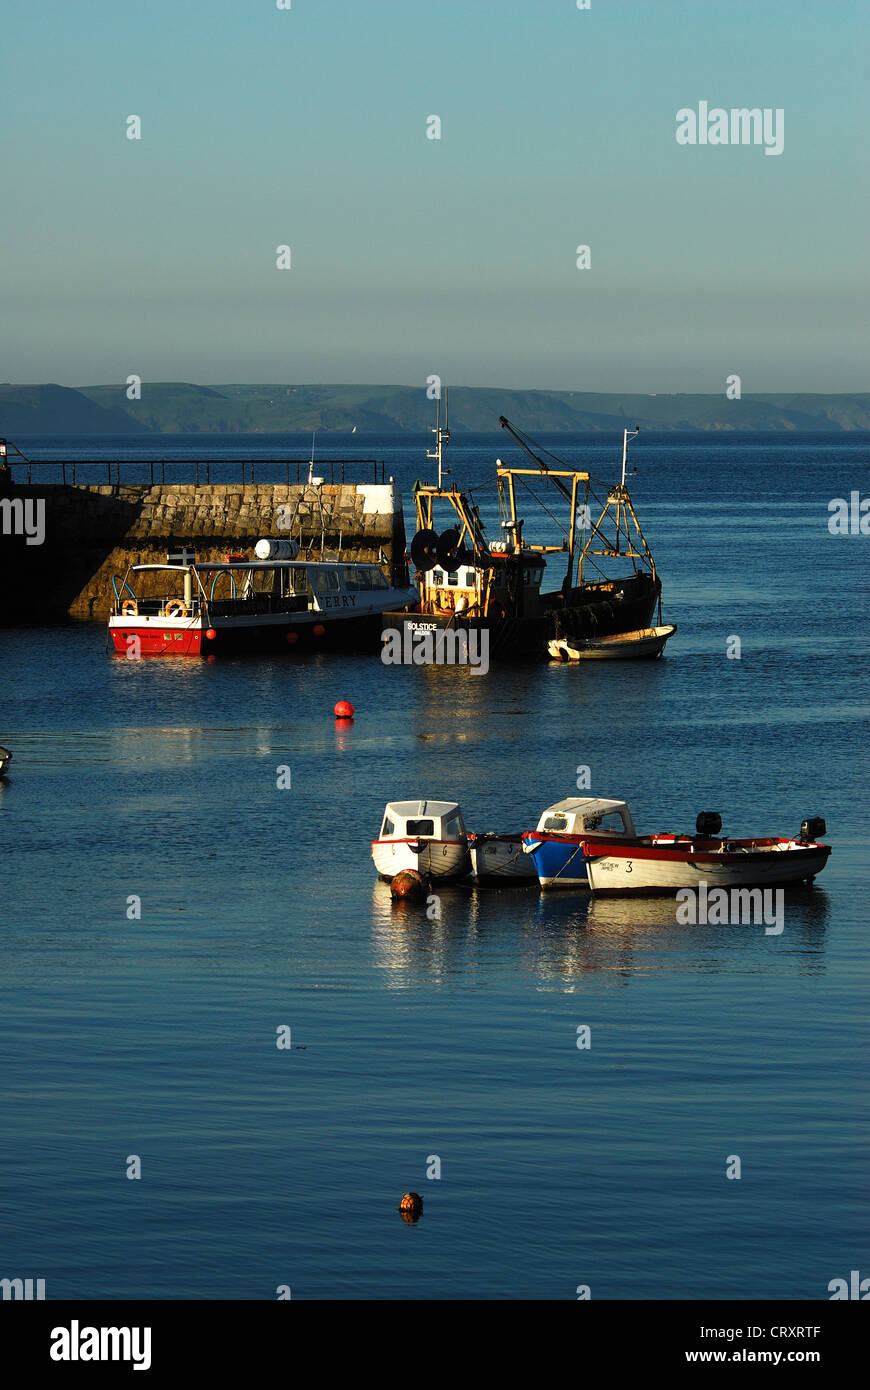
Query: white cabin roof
[
  {"x": 584, "y": 805},
  {"x": 413, "y": 810},
  {"x": 209, "y": 565}
]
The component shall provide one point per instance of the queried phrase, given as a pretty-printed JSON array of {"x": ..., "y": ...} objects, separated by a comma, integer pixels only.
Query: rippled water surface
[{"x": 453, "y": 1037}]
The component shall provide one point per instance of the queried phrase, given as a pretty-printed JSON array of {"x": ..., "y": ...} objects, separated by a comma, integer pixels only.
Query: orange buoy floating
[
  {"x": 344, "y": 710},
  {"x": 210, "y": 633},
  {"x": 319, "y": 629},
  {"x": 408, "y": 884},
  {"x": 411, "y": 1207}
]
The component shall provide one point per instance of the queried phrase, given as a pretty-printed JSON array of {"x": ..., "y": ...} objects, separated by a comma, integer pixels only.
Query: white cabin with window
[
  {"x": 581, "y": 815},
  {"x": 427, "y": 836}
]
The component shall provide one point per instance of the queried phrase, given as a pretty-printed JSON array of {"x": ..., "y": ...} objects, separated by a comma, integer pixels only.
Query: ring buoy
[
  {"x": 176, "y": 608},
  {"x": 130, "y": 608}
]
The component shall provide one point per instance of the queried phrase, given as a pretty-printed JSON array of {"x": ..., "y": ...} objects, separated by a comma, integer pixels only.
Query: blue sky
[{"x": 307, "y": 127}]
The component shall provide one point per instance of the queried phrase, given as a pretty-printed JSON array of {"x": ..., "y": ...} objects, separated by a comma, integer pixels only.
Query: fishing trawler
[
  {"x": 498, "y": 588},
  {"x": 276, "y": 602}
]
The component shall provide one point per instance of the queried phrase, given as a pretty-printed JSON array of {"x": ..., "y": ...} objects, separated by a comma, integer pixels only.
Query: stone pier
[{"x": 92, "y": 533}]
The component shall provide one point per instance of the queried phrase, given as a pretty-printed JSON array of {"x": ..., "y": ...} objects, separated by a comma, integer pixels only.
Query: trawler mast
[{"x": 442, "y": 436}]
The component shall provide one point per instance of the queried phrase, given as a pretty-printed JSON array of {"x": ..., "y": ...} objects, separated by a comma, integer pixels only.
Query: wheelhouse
[
  {"x": 224, "y": 589},
  {"x": 586, "y": 815},
  {"x": 423, "y": 820}
]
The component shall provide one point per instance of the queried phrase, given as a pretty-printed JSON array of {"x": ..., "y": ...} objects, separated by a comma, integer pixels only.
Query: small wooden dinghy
[
  {"x": 499, "y": 859},
  {"x": 622, "y": 646},
  {"x": 5, "y": 760}
]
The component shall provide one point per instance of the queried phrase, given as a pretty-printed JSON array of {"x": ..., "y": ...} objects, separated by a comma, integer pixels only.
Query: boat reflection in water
[{"x": 463, "y": 937}]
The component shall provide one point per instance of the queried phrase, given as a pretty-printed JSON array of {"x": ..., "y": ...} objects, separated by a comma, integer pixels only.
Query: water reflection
[
  {"x": 560, "y": 939},
  {"x": 343, "y": 735}
]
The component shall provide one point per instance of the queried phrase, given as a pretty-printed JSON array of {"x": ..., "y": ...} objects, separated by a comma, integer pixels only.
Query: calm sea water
[{"x": 456, "y": 1037}]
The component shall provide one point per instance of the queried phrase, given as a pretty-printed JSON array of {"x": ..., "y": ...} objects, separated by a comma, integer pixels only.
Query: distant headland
[{"x": 182, "y": 408}]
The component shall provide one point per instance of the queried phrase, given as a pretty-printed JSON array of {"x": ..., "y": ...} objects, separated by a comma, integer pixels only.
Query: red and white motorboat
[
  {"x": 667, "y": 863},
  {"x": 276, "y": 602},
  {"x": 428, "y": 837}
]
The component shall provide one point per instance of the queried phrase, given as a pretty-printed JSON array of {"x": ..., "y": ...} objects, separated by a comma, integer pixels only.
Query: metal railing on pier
[{"x": 202, "y": 472}]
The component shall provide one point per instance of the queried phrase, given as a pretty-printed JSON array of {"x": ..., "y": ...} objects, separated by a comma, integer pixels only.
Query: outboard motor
[
  {"x": 708, "y": 824},
  {"x": 811, "y": 829}
]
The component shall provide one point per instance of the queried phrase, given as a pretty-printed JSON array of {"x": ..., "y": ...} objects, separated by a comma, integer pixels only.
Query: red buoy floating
[
  {"x": 408, "y": 884},
  {"x": 411, "y": 1207},
  {"x": 319, "y": 629},
  {"x": 344, "y": 710},
  {"x": 210, "y": 633},
  {"x": 292, "y": 637}
]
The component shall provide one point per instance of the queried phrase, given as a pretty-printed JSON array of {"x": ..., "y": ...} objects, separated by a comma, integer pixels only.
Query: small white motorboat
[
  {"x": 5, "y": 760},
  {"x": 426, "y": 836},
  {"x": 622, "y": 646},
  {"x": 499, "y": 859},
  {"x": 667, "y": 863}
]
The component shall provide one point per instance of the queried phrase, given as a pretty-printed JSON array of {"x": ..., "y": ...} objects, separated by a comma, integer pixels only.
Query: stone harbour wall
[{"x": 91, "y": 533}]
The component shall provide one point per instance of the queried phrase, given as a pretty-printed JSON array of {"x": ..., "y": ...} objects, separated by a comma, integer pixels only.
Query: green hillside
[{"x": 184, "y": 408}]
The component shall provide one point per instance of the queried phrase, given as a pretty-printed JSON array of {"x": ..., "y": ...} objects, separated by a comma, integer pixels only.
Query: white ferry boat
[{"x": 276, "y": 602}]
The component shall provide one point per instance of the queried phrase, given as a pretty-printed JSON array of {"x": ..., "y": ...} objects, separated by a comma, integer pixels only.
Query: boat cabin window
[
  {"x": 326, "y": 582},
  {"x": 375, "y": 578},
  {"x": 453, "y": 825},
  {"x": 297, "y": 580},
  {"x": 609, "y": 822},
  {"x": 455, "y": 579},
  {"x": 420, "y": 827},
  {"x": 388, "y": 828},
  {"x": 556, "y": 823}
]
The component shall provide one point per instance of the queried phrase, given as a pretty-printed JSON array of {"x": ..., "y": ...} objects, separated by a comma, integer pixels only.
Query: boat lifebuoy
[
  {"x": 130, "y": 608},
  {"x": 176, "y": 608}
]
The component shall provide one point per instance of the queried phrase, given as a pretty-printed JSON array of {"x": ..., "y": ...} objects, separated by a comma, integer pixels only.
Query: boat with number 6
[{"x": 428, "y": 837}]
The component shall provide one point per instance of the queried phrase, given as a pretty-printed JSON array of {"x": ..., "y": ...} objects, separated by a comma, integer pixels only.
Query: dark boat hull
[
  {"x": 593, "y": 611},
  {"x": 358, "y": 633}
]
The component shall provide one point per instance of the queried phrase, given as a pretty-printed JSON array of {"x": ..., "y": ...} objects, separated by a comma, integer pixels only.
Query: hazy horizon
[{"x": 757, "y": 390}]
